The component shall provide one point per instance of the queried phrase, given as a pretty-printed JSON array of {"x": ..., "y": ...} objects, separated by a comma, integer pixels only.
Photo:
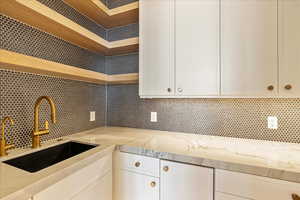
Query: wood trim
[
  {"x": 40, "y": 16},
  {"x": 24, "y": 63},
  {"x": 130, "y": 78},
  {"x": 109, "y": 18}
]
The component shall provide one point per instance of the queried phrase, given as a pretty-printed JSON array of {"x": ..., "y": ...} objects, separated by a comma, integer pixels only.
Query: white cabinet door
[
  {"x": 289, "y": 47},
  {"x": 223, "y": 196},
  {"x": 254, "y": 187},
  {"x": 134, "y": 186},
  {"x": 72, "y": 184},
  {"x": 100, "y": 189},
  {"x": 197, "y": 47},
  {"x": 156, "y": 47},
  {"x": 181, "y": 181},
  {"x": 249, "y": 60}
]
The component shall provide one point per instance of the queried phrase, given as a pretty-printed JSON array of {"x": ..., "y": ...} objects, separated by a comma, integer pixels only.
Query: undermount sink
[{"x": 39, "y": 160}]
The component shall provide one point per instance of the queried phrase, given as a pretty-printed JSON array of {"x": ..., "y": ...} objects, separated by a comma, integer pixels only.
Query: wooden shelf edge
[
  {"x": 130, "y": 78},
  {"x": 23, "y": 63},
  {"x": 40, "y": 16},
  {"x": 101, "y": 14}
]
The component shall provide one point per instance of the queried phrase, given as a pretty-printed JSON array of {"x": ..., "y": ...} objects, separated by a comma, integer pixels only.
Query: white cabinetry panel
[
  {"x": 197, "y": 47},
  {"x": 100, "y": 189},
  {"x": 249, "y": 60},
  {"x": 289, "y": 47},
  {"x": 183, "y": 181},
  {"x": 254, "y": 187},
  {"x": 134, "y": 186},
  {"x": 156, "y": 47}
]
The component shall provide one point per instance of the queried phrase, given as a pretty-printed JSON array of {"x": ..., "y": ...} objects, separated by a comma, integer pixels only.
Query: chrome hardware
[
  {"x": 137, "y": 164},
  {"x": 166, "y": 168},
  {"x": 180, "y": 90},
  {"x": 3, "y": 144}
]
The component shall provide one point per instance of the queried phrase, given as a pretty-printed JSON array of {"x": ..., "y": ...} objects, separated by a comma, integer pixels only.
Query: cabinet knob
[
  {"x": 179, "y": 89},
  {"x": 137, "y": 164},
  {"x": 166, "y": 168},
  {"x": 270, "y": 87},
  {"x": 288, "y": 87},
  {"x": 295, "y": 197},
  {"x": 169, "y": 90},
  {"x": 153, "y": 184}
]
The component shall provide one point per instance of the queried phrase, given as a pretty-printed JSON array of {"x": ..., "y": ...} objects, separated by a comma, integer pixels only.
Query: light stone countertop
[{"x": 263, "y": 158}]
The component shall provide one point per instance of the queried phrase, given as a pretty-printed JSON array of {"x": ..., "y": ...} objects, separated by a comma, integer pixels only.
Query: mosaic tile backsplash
[
  {"x": 73, "y": 99},
  {"x": 240, "y": 118}
]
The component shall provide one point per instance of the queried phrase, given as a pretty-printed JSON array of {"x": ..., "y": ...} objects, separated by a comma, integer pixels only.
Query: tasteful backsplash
[
  {"x": 73, "y": 100},
  {"x": 120, "y": 105}
]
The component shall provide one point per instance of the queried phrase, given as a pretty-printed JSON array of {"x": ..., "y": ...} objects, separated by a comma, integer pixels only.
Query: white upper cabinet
[
  {"x": 156, "y": 47},
  {"x": 249, "y": 59},
  {"x": 197, "y": 47},
  {"x": 289, "y": 47}
]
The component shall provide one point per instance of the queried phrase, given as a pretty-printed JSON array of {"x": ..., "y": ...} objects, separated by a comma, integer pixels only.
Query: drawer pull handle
[
  {"x": 137, "y": 164},
  {"x": 295, "y": 197},
  {"x": 288, "y": 87},
  {"x": 153, "y": 184},
  {"x": 166, "y": 168}
]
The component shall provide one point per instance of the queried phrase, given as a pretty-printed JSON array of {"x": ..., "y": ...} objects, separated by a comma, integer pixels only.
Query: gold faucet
[
  {"x": 3, "y": 145},
  {"x": 36, "y": 140}
]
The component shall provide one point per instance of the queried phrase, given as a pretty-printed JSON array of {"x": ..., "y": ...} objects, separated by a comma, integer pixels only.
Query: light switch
[
  {"x": 92, "y": 116},
  {"x": 272, "y": 122},
  {"x": 153, "y": 117}
]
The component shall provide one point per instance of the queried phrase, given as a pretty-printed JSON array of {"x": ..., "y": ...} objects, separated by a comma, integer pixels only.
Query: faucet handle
[{"x": 46, "y": 125}]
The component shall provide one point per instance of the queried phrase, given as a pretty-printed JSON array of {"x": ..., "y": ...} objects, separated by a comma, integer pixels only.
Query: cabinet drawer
[
  {"x": 255, "y": 187},
  {"x": 69, "y": 186},
  {"x": 140, "y": 164}
]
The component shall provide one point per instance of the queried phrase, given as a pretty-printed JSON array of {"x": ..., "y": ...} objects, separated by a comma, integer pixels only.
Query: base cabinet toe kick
[{"x": 139, "y": 177}]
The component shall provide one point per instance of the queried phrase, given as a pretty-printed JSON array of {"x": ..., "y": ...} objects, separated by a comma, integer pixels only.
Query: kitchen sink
[{"x": 39, "y": 160}]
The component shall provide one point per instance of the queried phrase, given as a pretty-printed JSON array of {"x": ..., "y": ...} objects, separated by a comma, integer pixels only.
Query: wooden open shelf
[
  {"x": 40, "y": 16},
  {"x": 97, "y": 11},
  {"x": 24, "y": 63}
]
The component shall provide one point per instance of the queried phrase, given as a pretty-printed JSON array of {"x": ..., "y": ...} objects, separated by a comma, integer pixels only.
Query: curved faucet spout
[
  {"x": 36, "y": 111},
  {"x": 36, "y": 142},
  {"x": 3, "y": 125}
]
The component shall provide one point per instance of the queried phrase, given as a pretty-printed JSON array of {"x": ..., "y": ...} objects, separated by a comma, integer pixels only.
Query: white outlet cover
[
  {"x": 153, "y": 117},
  {"x": 272, "y": 122},
  {"x": 92, "y": 116}
]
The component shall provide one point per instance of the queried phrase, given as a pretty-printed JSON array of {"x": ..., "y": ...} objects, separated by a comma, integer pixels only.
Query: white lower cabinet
[
  {"x": 93, "y": 182},
  {"x": 253, "y": 187},
  {"x": 100, "y": 189},
  {"x": 182, "y": 181},
  {"x": 223, "y": 196},
  {"x": 134, "y": 186}
]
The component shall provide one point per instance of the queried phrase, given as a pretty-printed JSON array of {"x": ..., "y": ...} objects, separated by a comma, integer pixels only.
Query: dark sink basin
[{"x": 45, "y": 158}]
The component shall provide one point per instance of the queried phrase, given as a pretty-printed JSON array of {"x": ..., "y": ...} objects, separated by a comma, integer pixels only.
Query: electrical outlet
[
  {"x": 92, "y": 116},
  {"x": 272, "y": 122},
  {"x": 153, "y": 117}
]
